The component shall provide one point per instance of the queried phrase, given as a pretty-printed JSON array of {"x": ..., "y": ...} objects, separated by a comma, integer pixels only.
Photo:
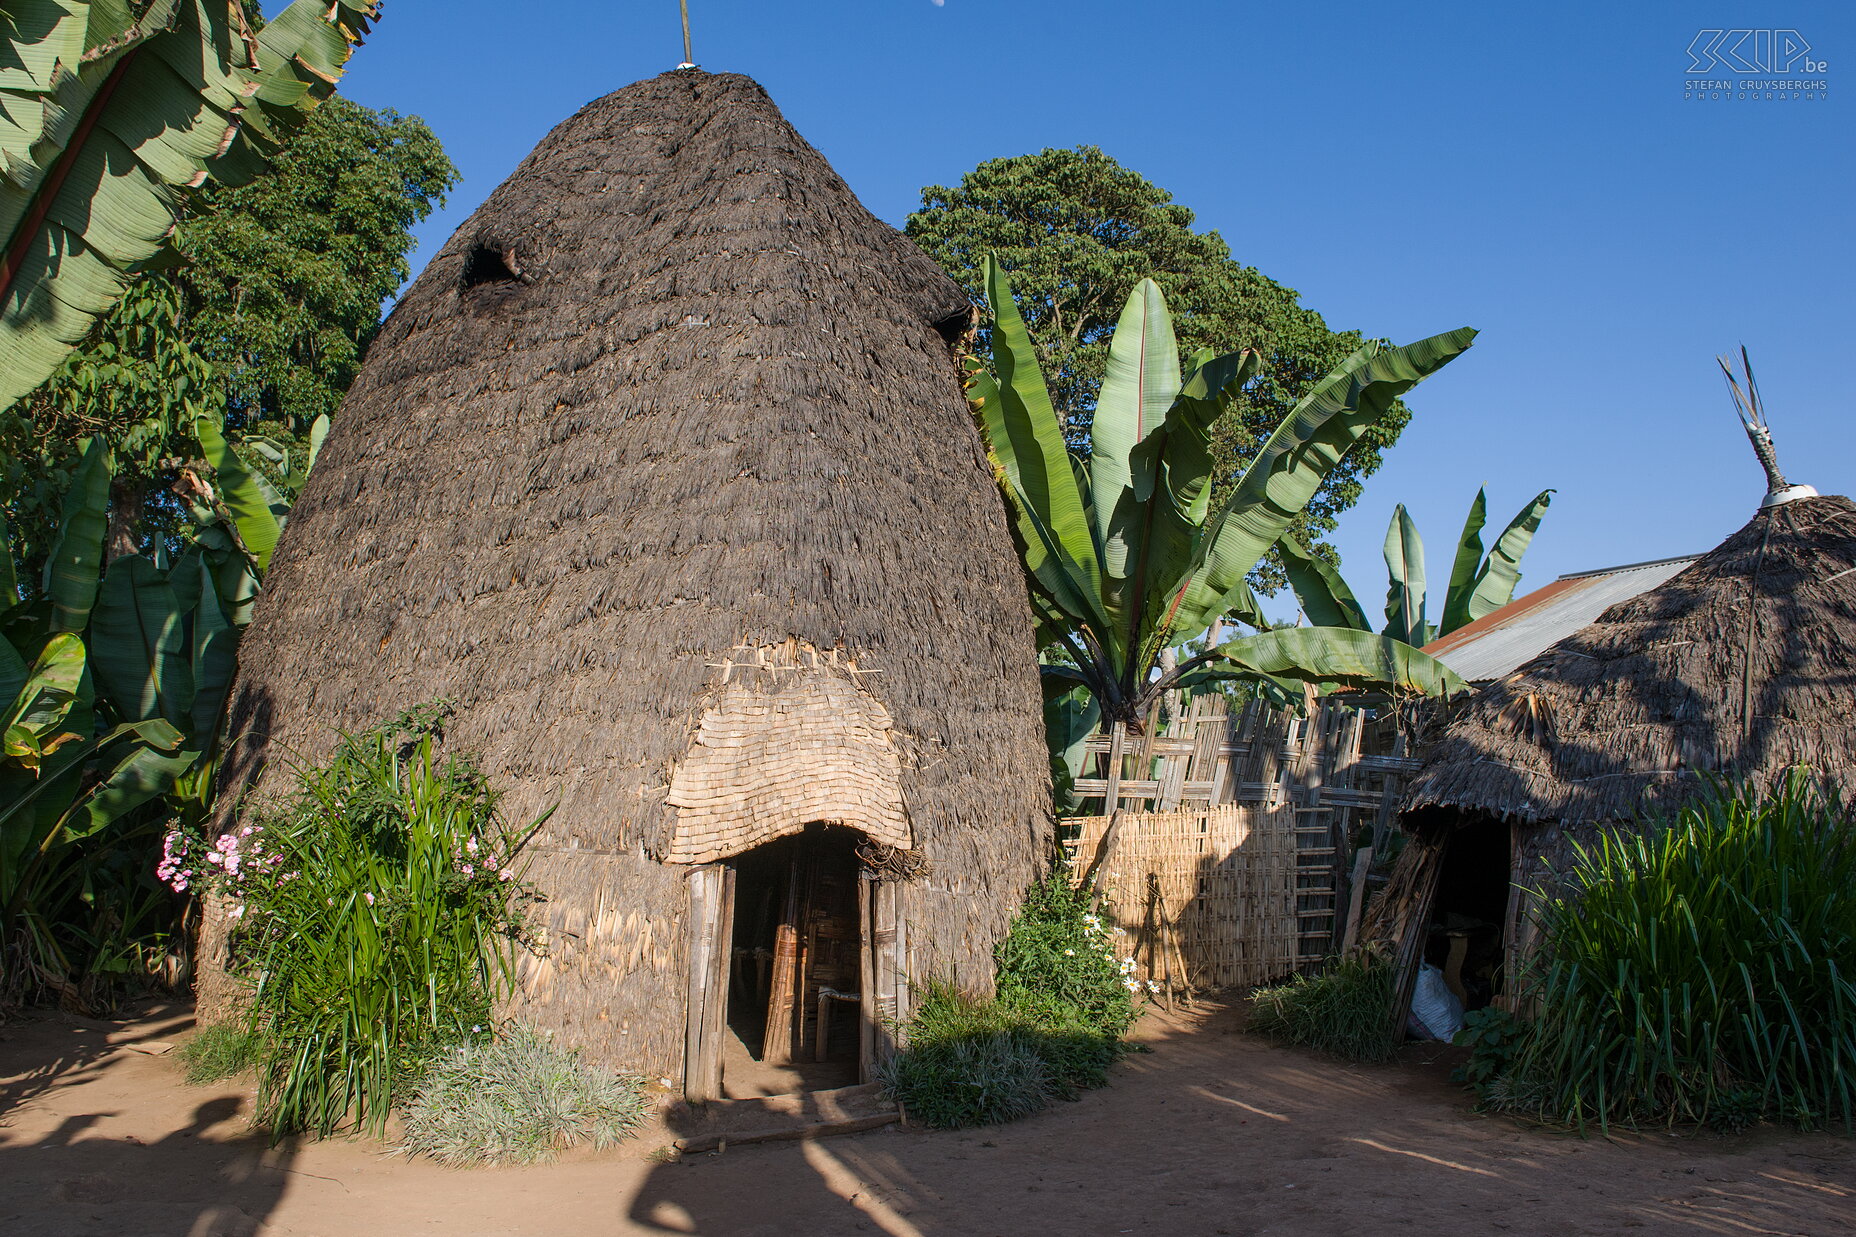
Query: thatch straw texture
[
  {"x": 1743, "y": 665},
  {"x": 669, "y": 393}
]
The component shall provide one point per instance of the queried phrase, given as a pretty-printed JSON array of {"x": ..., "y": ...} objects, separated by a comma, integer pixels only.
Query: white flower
[
  {"x": 236, "y": 912},
  {"x": 1069, "y": 953}
]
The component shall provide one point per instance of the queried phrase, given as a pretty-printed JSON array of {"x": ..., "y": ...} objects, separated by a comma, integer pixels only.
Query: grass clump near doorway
[
  {"x": 1344, "y": 1010},
  {"x": 218, "y": 1052},
  {"x": 374, "y": 914},
  {"x": 1700, "y": 972},
  {"x": 1063, "y": 1002},
  {"x": 518, "y": 1100}
]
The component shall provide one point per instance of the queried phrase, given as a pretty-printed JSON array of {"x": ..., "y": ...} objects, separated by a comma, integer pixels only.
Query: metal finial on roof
[
  {"x": 1752, "y": 410},
  {"x": 689, "y": 61}
]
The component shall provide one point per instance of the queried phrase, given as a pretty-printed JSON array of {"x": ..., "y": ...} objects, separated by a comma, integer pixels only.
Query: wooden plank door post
[
  {"x": 880, "y": 912},
  {"x": 711, "y": 929}
]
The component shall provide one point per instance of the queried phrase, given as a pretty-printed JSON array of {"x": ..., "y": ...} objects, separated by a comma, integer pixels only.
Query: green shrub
[
  {"x": 373, "y": 911},
  {"x": 1701, "y": 972},
  {"x": 968, "y": 1062},
  {"x": 1064, "y": 1001},
  {"x": 217, "y": 1052},
  {"x": 518, "y": 1100},
  {"x": 1344, "y": 1010},
  {"x": 1491, "y": 1036}
]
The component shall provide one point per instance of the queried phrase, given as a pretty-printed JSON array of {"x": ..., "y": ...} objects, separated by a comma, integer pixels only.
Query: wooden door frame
[
  {"x": 882, "y": 948},
  {"x": 711, "y": 948}
]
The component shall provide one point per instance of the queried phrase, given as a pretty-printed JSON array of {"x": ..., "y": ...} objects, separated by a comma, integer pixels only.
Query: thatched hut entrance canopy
[
  {"x": 662, "y": 472},
  {"x": 1740, "y": 666}
]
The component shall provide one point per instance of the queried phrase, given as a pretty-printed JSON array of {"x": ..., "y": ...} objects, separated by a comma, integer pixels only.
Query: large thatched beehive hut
[
  {"x": 1740, "y": 666},
  {"x": 661, "y": 471}
]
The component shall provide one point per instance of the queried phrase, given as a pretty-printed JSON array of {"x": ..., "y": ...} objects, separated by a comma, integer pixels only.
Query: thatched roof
[
  {"x": 1744, "y": 663},
  {"x": 670, "y": 396}
]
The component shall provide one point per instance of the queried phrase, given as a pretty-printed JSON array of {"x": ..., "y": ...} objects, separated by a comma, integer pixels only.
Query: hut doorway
[
  {"x": 1470, "y": 914},
  {"x": 780, "y": 1004}
]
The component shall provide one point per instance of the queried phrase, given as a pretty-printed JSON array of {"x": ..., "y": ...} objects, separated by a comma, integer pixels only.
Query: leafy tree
[
  {"x": 263, "y": 319},
  {"x": 1077, "y": 231}
]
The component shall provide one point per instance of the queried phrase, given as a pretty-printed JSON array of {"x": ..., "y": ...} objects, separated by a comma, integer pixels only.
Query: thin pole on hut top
[{"x": 689, "y": 61}]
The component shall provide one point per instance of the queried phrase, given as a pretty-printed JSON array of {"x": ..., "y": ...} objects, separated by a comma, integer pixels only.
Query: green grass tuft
[
  {"x": 519, "y": 1100},
  {"x": 217, "y": 1052},
  {"x": 1344, "y": 1010}
]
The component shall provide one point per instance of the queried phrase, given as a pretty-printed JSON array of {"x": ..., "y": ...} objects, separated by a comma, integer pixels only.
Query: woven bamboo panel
[
  {"x": 1229, "y": 813},
  {"x": 789, "y": 738},
  {"x": 1208, "y": 898}
]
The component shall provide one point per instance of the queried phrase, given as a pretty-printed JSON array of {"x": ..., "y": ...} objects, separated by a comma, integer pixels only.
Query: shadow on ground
[{"x": 99, "y": 1135}]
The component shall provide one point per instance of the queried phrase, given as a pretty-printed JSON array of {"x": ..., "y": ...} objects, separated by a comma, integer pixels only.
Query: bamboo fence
[{"x": 1223, "y": 842}]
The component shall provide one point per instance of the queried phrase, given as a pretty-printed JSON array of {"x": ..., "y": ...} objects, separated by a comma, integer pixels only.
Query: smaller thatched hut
[{"x": 1740, "y": 666}]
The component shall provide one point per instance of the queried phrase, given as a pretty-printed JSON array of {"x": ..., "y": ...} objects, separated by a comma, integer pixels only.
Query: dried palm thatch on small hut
[
  {"x": 663, "y": 473},
  {"x": 1740, "y": 666}
]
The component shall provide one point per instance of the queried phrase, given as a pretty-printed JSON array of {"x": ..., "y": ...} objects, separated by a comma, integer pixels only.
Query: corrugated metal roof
[{"x": 1528, "y": 626}]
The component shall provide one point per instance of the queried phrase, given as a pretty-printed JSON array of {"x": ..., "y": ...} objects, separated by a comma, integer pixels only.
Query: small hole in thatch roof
[
  {"x": 956, "y": 327},
  {"x": 488, "y": 264}
]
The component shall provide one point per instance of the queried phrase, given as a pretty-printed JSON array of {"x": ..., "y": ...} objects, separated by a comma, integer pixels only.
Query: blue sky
[{"x": 1533, "y": 171}]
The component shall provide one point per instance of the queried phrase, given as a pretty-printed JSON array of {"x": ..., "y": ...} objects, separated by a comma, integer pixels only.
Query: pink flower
[
  {"x": 467, "y": 869},
  {"x": 507, "y": 874},
  {"x": 369, "y": 897},
  {"x": 215, "y": 857}
]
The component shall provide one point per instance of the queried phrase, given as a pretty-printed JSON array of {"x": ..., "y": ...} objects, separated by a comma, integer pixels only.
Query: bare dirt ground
[{"x": 1212, "y": 1132}]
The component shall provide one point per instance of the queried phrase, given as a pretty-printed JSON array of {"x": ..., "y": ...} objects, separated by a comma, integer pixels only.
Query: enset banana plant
[
  {"x": 130, "y": 664},
  {"x": 1479, "y": 584},
  {"x": 1125, "y": 553}
]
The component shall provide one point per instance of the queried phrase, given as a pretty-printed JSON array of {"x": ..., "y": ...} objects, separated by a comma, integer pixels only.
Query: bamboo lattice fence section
[{"x": 1224, "y": 841}]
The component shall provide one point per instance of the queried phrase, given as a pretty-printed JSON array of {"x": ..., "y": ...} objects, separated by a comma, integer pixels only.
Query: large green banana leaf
[
  {"x": 1404, "y": 551},
  {"x": 37, "y": 819},
  {"x": 1174, "y": 467},
  {"x": 1339, "y": 655},
  {"x": 76, "y": 560},
  {"x": 1027, "y": 444},
  {"x": 1139, "y": 385},
  {"x": 107, "y": 111},
  {"x": 138, "y": 643},
  {"x": 1325, "y": 597},
  {"x": 34, "y": 725},
  {"x": 215, "y": 657},
  {"x": 1071, "y": 714},
  {"x": 1495, "y": 585},
  {"x": 1466, "y": 566},
  {"x": 254, "y": 503},
  {"x": 1323, "y": 427}
]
